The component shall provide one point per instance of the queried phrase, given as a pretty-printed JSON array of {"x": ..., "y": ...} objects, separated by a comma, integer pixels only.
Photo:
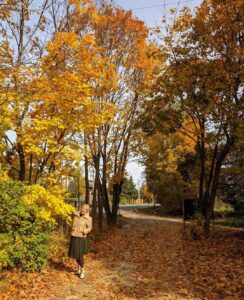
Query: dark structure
[{"x": 190, "y": 208}]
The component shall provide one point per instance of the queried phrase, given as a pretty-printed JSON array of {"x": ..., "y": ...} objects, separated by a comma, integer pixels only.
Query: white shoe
[
  {"x": 78, "y": 271},
  {"x": 82, "y": 273}
]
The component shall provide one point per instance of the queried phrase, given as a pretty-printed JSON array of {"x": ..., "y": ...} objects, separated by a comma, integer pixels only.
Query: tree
[
  {"x": 122, "y": 39},
  {"x": 167, "y": 171},
  {"x": 145, "y": 194},
  {"x": 201, "y": 81},
  {"x": 129, "y": 189}
]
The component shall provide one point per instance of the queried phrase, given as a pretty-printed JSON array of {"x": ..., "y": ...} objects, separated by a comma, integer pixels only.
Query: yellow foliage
[
  {"x": 3, "y": 175},
  {"x": 170, "y": 149},
  {"x": 50, "y": 200}
]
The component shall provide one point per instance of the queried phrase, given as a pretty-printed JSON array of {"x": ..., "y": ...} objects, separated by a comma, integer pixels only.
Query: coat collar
[{"x": 86, "y": 216}]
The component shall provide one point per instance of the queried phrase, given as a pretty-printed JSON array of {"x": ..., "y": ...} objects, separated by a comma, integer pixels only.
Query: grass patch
[{"x": 236, "y": 222}]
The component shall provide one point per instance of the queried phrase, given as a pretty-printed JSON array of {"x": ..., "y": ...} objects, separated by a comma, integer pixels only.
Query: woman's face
[{"x": 83, "y": 210}]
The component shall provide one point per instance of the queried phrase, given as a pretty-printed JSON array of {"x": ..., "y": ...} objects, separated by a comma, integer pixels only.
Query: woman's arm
[
  {"x": 88, "y": 226},
  {"x": 76, "y": 213}
]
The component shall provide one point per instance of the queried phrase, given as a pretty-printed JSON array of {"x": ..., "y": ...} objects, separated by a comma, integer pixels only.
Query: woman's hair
[{"x": 85, "y": 206}]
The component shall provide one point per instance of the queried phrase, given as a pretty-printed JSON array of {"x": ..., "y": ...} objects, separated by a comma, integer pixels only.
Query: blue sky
[{"x": 152, "y": 16}]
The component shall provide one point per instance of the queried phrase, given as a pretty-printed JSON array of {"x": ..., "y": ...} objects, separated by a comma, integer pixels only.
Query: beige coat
[{"x": 82, "y": 225}]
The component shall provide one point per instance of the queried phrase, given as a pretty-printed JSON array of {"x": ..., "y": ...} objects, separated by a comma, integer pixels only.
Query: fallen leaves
[{"x": 142, "y": 260}]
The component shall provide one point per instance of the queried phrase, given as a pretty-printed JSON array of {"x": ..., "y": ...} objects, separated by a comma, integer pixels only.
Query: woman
[{"x": 78, "y": 246}]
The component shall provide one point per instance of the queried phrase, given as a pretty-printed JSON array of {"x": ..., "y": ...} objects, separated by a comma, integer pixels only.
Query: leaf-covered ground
[{"x": 145, "y": 258}]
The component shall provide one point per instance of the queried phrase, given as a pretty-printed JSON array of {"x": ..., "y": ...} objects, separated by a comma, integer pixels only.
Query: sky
[{"x": 151, "y": 12}]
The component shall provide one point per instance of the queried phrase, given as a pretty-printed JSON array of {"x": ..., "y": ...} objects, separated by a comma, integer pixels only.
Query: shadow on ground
[{"x": 60, "y": 266}]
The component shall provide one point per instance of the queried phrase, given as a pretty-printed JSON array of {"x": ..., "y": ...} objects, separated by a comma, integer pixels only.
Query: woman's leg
[
  {"x": 78, "y": 271},
  {"x": 81, "y": 263}
]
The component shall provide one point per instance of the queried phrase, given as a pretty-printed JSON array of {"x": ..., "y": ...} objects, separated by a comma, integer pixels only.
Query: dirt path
[
  {"x": 148, "y": 258},
  {"x": 114, "y": 271}
]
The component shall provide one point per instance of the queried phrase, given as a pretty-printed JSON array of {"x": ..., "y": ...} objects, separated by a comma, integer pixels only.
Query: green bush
[
  {"x": 23, "y": 236},
  {"x": 221, "y": 209},
  {"x": 123, "y": 200}
]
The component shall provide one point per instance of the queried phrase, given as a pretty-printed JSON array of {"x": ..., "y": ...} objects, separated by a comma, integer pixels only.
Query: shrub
[
  {"x": 123, "y": 200},
  {"x": 50, "y": 202},
  {"x": 221, "y": 208},
  {"x": 27, "y": 215},
  {"x": 23, "y": 237}
]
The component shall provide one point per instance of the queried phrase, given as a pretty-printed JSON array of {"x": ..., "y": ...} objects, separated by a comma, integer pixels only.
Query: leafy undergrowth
[{"x": 142, "y": 259}]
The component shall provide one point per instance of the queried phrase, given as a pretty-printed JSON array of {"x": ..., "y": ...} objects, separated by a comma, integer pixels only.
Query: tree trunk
[
  {"x": 117, "y": 187},
  {"x": 97, "y": 195},
  {"x": 100, "y": 208},
  {"x": 104, "y": 190},
  {"x": 30, "y": 168},
  {"x": 22, "y": 162},
  {"x": 201, "y": 181},
  {"x": 207, "y": 221},
  {"x": 106, "y": 202},
  {"x": 94, "y": 200},
  {"x": 202, "y": 156},
  {"x": 210, "y": 194},
  {"x": 87, "y": 187}
]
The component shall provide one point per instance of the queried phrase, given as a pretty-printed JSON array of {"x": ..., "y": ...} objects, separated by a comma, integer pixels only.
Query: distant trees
[
  {"x": 147, "y": 196},
  {"x": 169, "y": 168},
  {"x": 129, "y": 190}
]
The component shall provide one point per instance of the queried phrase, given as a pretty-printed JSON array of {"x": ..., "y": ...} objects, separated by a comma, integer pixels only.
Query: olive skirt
[{"x": 78, "y": 246}]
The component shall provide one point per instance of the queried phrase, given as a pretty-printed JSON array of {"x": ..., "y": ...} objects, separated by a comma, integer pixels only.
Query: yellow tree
[
  {"x": 5, "y": 93},
  {"x": 165, "y": 153},
  {"x": 22, "y": 25},
  {"x": 73, "y": 73},
  {"x": 51, "y": 95}
]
